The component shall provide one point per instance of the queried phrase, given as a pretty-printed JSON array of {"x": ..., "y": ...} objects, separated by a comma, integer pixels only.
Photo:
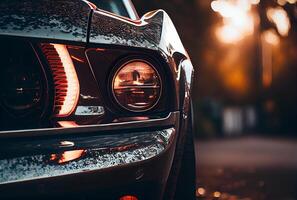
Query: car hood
[
  {"x": 80, "y": 21},
  {"x": 62, "y": 20},
  {"x": 154, "y": 31}
]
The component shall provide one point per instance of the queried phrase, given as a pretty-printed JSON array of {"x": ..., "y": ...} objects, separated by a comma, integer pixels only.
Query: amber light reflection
[
  {"x": 128, "y": 197},
  {"x": 136, "y": 73},
  {"x": 67, "y": 124},
  {"x": 67, "y": 156}
]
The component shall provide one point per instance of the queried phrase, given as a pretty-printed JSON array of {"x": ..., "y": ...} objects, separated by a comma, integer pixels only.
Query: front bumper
[{"x": 102, "y": 164}]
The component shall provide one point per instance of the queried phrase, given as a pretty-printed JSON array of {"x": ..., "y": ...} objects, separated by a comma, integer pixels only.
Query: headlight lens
[
  {"x": 136, "y": 86},
  {"x": 22, "y": 81},
  {"x": 21, "y": 90}
]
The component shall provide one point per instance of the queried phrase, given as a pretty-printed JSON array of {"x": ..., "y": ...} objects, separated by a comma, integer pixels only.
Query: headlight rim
[{"x": 119, "y": 66}]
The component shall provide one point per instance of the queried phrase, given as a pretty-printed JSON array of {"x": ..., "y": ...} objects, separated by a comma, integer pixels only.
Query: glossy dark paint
[
  {"x": 93, "y": 183},
  {"x": 144, "y": 178},
  {"x": 154, "y": 31},
  {"x": 105, "y": 62},
  {"x": 58, "y": 20},
  {"x": 150, "y": 123},
  {"x": 153, "y": 34},
  {"x": 69, "y": 21}
]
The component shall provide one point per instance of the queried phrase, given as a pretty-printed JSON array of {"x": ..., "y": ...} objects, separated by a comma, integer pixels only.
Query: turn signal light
[
  {"x": 128, "y": 197},
  {"x": 65, "y": 78}
]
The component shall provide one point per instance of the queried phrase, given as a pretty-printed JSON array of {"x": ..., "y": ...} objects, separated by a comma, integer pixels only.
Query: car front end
[{"x": 93, "y": 105}]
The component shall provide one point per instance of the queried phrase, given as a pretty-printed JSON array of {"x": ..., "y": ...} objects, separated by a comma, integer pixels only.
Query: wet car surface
[{"x": 94, "y": 102}]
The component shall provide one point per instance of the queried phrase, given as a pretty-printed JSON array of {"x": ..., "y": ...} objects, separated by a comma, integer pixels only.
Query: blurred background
[{"x": 245, "y": 58}]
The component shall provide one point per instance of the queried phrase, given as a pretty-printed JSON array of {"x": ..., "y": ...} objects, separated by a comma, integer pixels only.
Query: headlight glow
[{"x": 136, "y": 86}]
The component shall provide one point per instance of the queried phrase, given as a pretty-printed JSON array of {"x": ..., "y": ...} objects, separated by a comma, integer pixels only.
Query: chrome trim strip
[
  {"x": 111, "y": 151},
  {"x": 130, "y": 9},
  {"x": 170, "y": 120},
  {"x": 89, "y": 111}
]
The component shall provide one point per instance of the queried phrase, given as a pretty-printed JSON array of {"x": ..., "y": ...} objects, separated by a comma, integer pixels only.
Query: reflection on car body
[{"x": 95, "y": 102}]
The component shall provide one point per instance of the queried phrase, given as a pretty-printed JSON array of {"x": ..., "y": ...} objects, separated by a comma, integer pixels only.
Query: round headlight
[
  {"x": 22, "y": 82},
  {"x": 21, "y": 91},
  {"x": 136, "y": 86}
]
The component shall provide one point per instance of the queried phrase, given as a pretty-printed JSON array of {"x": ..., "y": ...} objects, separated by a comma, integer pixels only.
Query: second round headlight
[{"x": 136, "y": 86}]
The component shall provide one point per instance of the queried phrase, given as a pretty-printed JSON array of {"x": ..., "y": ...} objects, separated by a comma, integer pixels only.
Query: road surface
[{"x": 247, "y": 168}]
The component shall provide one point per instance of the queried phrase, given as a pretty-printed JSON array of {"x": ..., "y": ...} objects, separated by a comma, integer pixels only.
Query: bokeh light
[
  {"x": 271, "y": 37},
  {"x": 280, "y": 18},
  {"x": 238, "y": 20}
]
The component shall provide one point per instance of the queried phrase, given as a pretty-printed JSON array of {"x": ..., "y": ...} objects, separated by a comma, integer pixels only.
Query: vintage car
[{"x": 95, "y": 103}]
